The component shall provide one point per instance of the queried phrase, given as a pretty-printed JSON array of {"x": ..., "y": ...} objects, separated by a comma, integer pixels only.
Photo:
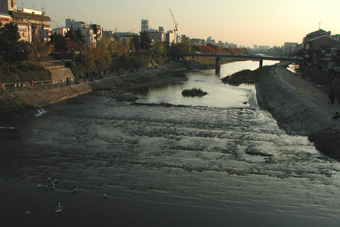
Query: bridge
[{"x": 258, "y": 57}]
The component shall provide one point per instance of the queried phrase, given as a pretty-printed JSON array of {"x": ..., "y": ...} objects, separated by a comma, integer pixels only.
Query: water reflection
[
  {"x": 294, "y": 68},
  {"x": 234, "y": 161},
  {"x": 219, "y": 94},
  {"x": 231, "y": 68}
]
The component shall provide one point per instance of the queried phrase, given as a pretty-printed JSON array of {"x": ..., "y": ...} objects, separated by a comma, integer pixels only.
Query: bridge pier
[
  {"x": 218, "y": 66},
  {"x": 260, "y": 63}
]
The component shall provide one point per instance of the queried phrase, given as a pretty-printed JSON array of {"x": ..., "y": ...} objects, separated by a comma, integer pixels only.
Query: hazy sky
[{"x": 244, "y": 22}]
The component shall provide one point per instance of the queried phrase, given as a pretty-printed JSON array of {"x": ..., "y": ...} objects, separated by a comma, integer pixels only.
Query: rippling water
[
  {"x": 219, "y": 94},
  {"x": 218, "y": 152}
]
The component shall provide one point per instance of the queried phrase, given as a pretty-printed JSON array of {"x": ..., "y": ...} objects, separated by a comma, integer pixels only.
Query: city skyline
[{"x": 243, "y": 22}]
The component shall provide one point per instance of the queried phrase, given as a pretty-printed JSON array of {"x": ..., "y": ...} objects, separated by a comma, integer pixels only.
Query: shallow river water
[{"x": 219, "y": 153}]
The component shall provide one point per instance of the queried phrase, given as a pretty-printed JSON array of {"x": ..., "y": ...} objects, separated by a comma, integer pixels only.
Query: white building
[
  {"x": 197, "y": 42},
  {"x": 211, "y": 41},
  {"x": 32, "y": 24},
  {"x": 221, "y": 44},
  {"x": 60, "y": 31},
  {"x": 153, "y": 33},
  {"x": 92, "y": 32},
  {"x": 156, "y": 34},
  {"x": 123, "y": 36},
  {"x": 171, "y": 37}
]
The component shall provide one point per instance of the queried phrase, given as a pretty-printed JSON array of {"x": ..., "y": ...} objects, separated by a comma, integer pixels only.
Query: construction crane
[{"x": 176, "y": 24}]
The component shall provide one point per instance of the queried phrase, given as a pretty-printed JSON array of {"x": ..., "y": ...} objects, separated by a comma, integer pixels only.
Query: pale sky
[{"x": 243, "y": 22}]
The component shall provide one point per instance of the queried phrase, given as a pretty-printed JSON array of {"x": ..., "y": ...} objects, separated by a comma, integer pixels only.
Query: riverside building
[
  {"x": 32, "y": 24},
  {"x": 153, "y": 33},
  {"x": 92, "y": 33}
]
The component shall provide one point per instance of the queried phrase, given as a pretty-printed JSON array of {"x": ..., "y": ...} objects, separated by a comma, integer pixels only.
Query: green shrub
[
  {"x": 11, "y": 104},
  {"x": 24, "y": 68},
  {"x": 23, "y": 73}
]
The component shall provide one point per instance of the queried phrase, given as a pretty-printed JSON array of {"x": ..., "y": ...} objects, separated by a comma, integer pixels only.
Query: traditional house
[
  {"x": 334, "y": 64},
  {"x": 32, "y": 24},
  {"x": 318, "y": 42},
  {"x": 315, "y": 34},
  {"x": 315, "y": 45}
]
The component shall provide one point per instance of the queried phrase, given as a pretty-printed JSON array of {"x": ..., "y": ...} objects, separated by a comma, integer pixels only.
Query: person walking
[{"x": 331, "y": 97}]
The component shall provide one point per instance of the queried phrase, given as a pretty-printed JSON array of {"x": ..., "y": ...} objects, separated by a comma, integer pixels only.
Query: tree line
[{"x": 18, "y": 58}]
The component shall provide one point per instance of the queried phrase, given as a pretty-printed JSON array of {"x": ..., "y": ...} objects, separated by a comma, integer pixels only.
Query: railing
[
  {"x": 8, "y": 88},
  {"x": 245, "y": 56}
]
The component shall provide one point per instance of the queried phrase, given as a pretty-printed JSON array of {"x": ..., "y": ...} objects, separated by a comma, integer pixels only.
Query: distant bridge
[{"x": 218, "y": 57}]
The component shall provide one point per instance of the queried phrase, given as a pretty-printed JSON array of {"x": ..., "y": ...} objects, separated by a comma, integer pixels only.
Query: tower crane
[{"x": 175, "y": 23}]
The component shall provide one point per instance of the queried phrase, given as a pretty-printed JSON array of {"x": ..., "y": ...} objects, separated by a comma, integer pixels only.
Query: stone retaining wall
[
  {"x": 298, "y": 115},
  {"x": 44, "y": 96}
]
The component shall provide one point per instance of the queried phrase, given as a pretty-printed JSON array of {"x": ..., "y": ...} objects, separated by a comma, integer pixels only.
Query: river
[{"x": 219, "y": 153}]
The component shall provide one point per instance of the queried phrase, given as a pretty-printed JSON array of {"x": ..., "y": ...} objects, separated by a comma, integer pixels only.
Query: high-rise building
[
  {"x": 171, "y": 37},
  {"x": 144, "y": 25}
]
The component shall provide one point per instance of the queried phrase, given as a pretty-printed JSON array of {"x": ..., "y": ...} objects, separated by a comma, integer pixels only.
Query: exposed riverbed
[{"x": 220, "y": 153}]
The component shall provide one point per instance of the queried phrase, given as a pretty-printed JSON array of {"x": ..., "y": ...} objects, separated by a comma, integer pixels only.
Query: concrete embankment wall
[
  {"x": 298, "y": 115},
  {"x": 44, "y": 96},
  {"x": 60, "y": 74},
  {"x": 322, "y": 77},
  {"x": 48, "y": 94}
]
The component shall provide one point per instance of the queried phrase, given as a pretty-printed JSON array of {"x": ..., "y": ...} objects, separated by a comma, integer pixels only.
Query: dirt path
[
  {"x": 306, "y": 89},
  {"x": 301, "y": 108}
]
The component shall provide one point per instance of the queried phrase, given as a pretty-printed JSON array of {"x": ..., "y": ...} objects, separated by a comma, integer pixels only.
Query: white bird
[
  {"x": 49, "y": 179},
  {"x": 39, "y": 186},
  {"x": 28, "y": 212},
  {"x": 105, "y": 196},
  {"x": 59, "y": 208}
]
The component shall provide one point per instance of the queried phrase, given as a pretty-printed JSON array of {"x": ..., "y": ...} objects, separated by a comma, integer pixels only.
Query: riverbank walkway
[{"x": 306, "y": 89}]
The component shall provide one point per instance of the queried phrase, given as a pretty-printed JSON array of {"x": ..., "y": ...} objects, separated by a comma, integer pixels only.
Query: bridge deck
[{"x": 243, "y": 56}]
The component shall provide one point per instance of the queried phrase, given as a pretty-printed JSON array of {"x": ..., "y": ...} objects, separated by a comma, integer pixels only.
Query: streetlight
[{"x": 56, "y": 27}]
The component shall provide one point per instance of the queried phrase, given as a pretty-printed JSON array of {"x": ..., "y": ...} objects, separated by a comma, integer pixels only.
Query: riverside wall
[
  {"x": 321, "y": 77},
  {"x": 43, "y": 96},
  {"x": 48, "y": 94},
  {"x": 298, "y": 115}
]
